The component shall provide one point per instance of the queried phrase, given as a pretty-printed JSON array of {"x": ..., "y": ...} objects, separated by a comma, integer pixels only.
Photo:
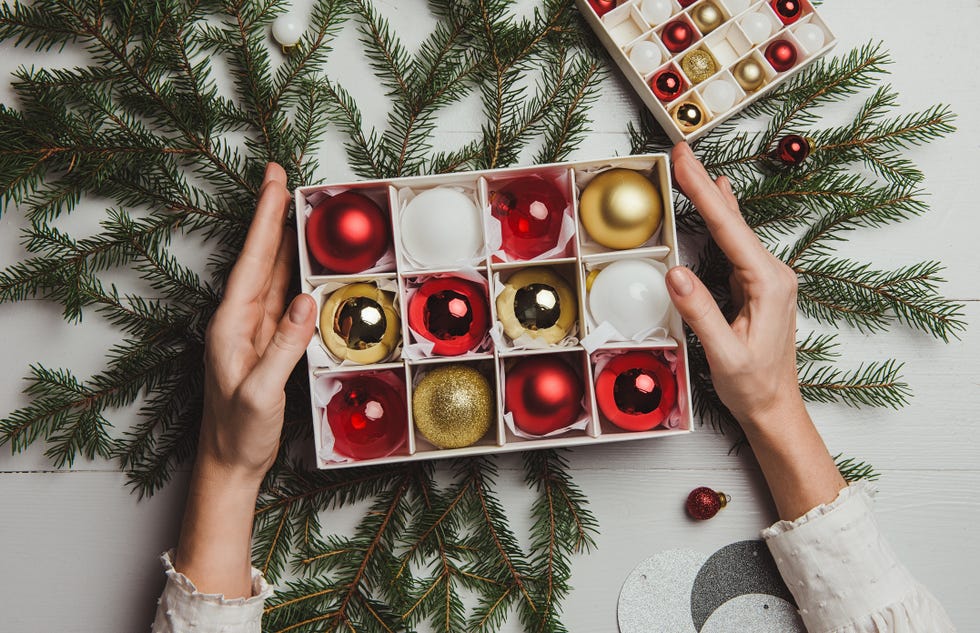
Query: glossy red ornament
[
  {"x": 636, "y": 391},
  {"x": 781, "y": 55},
  {"x": 704, "y": 503},
  {"x": 667, "y": 85},
  {"x": 677, "y": 36},
  {"x": 602, "y": 7},
  {"x": 793, "y": 149},
  {"x": 451, "y": 312},
  {"x": 543, "y": 393},
  {"x": 788, "y": 11},
  {"x": 368, "y": 417},
  {"x": 686, "y": 3},
  {"x": 347, "y": 233},
  {"x": 530, "y": 211}
]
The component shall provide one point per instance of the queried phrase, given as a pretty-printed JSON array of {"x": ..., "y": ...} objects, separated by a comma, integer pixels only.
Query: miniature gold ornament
[
  {"x": 539, "y": 303},
  {"x": 698, "y": 65},
  {"x": 621, "y": 208},
  {"x": 688, "y": 116},
  {"x": 359, "y": 323},
  {"x": 707, "y": 17},
  {"x": 749, "y": 74},
  {"x": 453, "y": 406}
]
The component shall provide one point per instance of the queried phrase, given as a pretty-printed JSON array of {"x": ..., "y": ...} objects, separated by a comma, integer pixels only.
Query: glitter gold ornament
[
  {"x": 539, "y": 303},
  {"x": 688, "y": 116},
  {"x": 359, "y": 323},
  {"x": 707, "y": 17},
  {"x": 749, "y": 74},
  {"x": 621, "y": 208},
  {"x": 453, "y": 406},
  {"x": 698, "y": 65}
]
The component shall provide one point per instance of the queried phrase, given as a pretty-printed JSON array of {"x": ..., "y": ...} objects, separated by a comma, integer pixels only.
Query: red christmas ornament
[
  {"x": 451, "y": 312},
  {"x": 677, "y": 36},
  {"x": 543, "y": 393},
  {"x": 667, "y": 85},
  {"x": 704, "y": 503},
  {"x": 636, "y": 391},
  {"x": 793, "y": 149},
  {"x": 788, "y": 11},
  {"x": 530, "y": 211},
  {"x": 602, "y": 7},
  {"x": 368, "y": 417},
  {"x": 686, "y": 3},
  {"x": 781, "y": 55},
  {"x": 347, "y": 233}
]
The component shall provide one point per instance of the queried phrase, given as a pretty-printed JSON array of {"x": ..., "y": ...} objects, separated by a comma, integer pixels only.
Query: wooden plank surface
[{"x": 79, "y": 552}]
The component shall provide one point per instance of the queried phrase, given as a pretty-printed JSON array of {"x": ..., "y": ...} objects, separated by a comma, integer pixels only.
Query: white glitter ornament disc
[
  {"x": 811, "y": 36},
  {"x": 441, "y": 228},
  {"x": 719, "y": 95},
  {"x": 631, "y": 295},
  {"x": 757, "y": 26},
  {"x": 656, "y": 597},
  {"x": 287, "y": 30},
  {"x": 656, "y": 11},
  {"x": 646, "y": 56}
]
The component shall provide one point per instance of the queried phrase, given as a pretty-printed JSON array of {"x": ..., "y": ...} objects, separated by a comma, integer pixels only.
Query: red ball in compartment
[
  {"x": 543, "y": 393},
  {"x": 347, "y": 233},
  {"x": 686, "y": 3},
  {"x": 368, "y": 416},
  {"x": 788, "y": 11},
  {"x": 678, "y": 35},
  {"x": 636, "y": 391},
  {"x": 452, "y": 312},
  {"x": 530, "y": 211},
  {"x": 667, "y": 85},
  {"x": 602, "y": 7},
  {"x": 782, "y": 55}
]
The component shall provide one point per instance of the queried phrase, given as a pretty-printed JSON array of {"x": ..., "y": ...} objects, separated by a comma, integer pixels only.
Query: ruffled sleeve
[
  {"x": 844, "y": 575},
  {"x": 183, "y": 608}
]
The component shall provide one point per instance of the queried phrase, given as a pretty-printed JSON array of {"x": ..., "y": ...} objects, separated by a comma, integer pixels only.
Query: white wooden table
[{"x": 79, "y": 552}]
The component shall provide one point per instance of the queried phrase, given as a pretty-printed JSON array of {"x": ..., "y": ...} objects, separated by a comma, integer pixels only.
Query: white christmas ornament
[
  {"x": 646, "y": 56},
  {"x": 631, "y": 295},
  {"x": 287, "y": 29},
  {"x": 719, "y": 95},
  {"x": 757, "y": 26},
  {"x": 441, "y": 228},
  {"x": 811, "y": 37},
  {"x": 656, "y": 11}
]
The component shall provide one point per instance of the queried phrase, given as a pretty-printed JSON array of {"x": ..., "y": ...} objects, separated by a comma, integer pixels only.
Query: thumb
[
  {"x": 288, "y": 343},
  {"x": 698, "y": 308}
]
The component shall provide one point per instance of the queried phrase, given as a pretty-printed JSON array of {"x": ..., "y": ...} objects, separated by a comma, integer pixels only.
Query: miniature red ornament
[
  {"x": 530, "y": 211},
  {"x": 704, "y": 503},
  {"x": 686, "y": 3},
  {"x": 347, "y": 233},
  {"x": 451, "y": 312},
  {"x": 543, "y": 393},
  {"x": 788, "y": 11},
  {"x": 793, "y": 149},
  {"x": 677, "y": 36},
  {"x": 602, "y": 7},
  {"x": 667, "y": 85},
  {"x": 368, "y": 417},
  {"x": 781, "y": 55},
  {"x": 636, "y": 391}
]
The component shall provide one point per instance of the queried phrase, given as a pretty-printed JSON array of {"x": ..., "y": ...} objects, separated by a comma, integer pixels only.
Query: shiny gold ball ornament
[
  {"x": 688, "y": 116},
  {"x": 537, "y": 302},
  {"x": 621, "y": 208},
  {"x": 359, "y": 323},
  {"x": 707, "y": 17},
  {"x": 698, "y": 65},
  {"x": 749, "y": 74},
  {"x": 453, "y": 406}
]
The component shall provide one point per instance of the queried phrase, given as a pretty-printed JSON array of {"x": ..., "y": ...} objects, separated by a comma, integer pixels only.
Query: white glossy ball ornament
[
  {"x": 287, "y": 29},
  {"x": 757, "y": 26},
  {"x": 656, "y": 11},
  {"x": 646, "y": 56},
  {"x": 719, "y": 95},
  {"x": 737, "y": 6},
  {"x": 631, "y": 295},
  {"x": 811, "y": 37},
  {"x": 441, "y": 228}
]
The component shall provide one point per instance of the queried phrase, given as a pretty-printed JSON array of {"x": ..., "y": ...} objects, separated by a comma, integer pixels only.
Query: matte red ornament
[
  {"x": 451, "y": 312},
  {"x": 677, "y": 36},
  {"x": 543, "y": 393},
  {"x": 704, "y": 503},
  {"x": 347, "y": 233},
  {"x": 530, "y": 211},
  {"x": 788, "y": 11},
  {"x": 368, "y": 417},
  {"x": 781, "y": 54},
  {"x": 636, "y": 391},
  {"x": 602, "y": 7},
  {"x": 793, "y": 149},
  {"x": 667, "y": 85},
  {"x": 686, "y": 3}
]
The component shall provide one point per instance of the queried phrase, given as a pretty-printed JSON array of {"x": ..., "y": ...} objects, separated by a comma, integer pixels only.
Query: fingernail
[
  {"x": 301, "y": 309},
  {"x": 268, "y": 170},
  {"x": 679, "y": 281},
  {"x": 727, "y": 184}
]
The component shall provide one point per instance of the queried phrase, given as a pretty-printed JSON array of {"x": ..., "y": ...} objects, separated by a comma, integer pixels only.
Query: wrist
[{"x": 778, "y": 414}]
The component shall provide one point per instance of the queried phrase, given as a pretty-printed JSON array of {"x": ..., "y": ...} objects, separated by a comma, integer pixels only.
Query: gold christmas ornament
[
  {"x": 698, "y": 65},
  {"x": 707, "y": 17},
  {"x": 688, "y": 116},
  {"x": 749, "y": 74},
  {"x": 621, "y": 208},
  {"x": 359, "y": 323},
  {"x": 539, "y": 303},
  {"x": 453, "y": 406}
]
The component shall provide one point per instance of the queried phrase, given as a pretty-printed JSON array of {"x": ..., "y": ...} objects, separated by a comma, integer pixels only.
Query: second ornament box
[{"x": 493, "y": 311}]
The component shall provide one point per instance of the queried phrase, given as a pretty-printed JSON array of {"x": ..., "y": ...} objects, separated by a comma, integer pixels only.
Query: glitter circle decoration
[
  {"x": 451, "y": 312},
  {"x": 656, "y": 11},
  {"x": 347, "y": 233},
  {"x": 629, "y": 294},
  {"x": 749, "y": 74},
  {"x": 677, "y": 36},
  {"x": 359, "y": 323},
  {"x": 688, "y": 116},
  {"x": 757, "y": 27},
  {"x": 368, "y": 416},
  {"x": 441, "y": 228},
  {"x": 811, "y": 38},
  {"x": 667, "y": 85},
  {"x": 453, "y": 406},
  {"x": 646, "y": 56},
  {"x": 788, "y": 11},
  {"x": 530, "y": 210},
  {"x": 698, "y": 65},
  {"x": 781, "y": 55},
  {"x": 719, "y": 95},
  {"x": 636, "y": 391}
]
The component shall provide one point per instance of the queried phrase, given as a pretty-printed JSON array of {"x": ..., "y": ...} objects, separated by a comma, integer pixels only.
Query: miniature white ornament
[
  {"x": 757, "y": 26},
  {"x": 811, "y": 37},
  {"x": 287, "y": 29},
  {"x": 656, "y": 11},
  {"x": 737, "y": 6},
  {"x": 441, "y": 228},
  {"x": 646, "y": 56},
  {"x": 719, "y": 95},
  {"x": 631, "y": 295}
]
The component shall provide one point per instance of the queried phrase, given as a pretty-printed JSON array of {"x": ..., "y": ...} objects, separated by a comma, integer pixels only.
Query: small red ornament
[
  {"x": 781, "y": 55},
  {"x": 793, "y": 149},
  {"x": 602, "y": 7},
  {"x": 686, "y": 3},
  {"x": 788, "y": 11},
  {"x": 667, "y": 85},
  {"x": 704, "y": 503},
  {"x": 347, "y": 233},
  {"x": 543, "y": 393},
  {"x": 451, "y": 312},
  {"x": 530, "y": 211},
  {"x": 636, "y": 391},
  {"x": 368, "y": 416},
  {"x": 677, "y": 36}
]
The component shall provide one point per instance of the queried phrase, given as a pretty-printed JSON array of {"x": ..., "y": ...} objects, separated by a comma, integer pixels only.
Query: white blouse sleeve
[
  {"x": 845, "y": 577},
  {"x": 182, "y": 608}
]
